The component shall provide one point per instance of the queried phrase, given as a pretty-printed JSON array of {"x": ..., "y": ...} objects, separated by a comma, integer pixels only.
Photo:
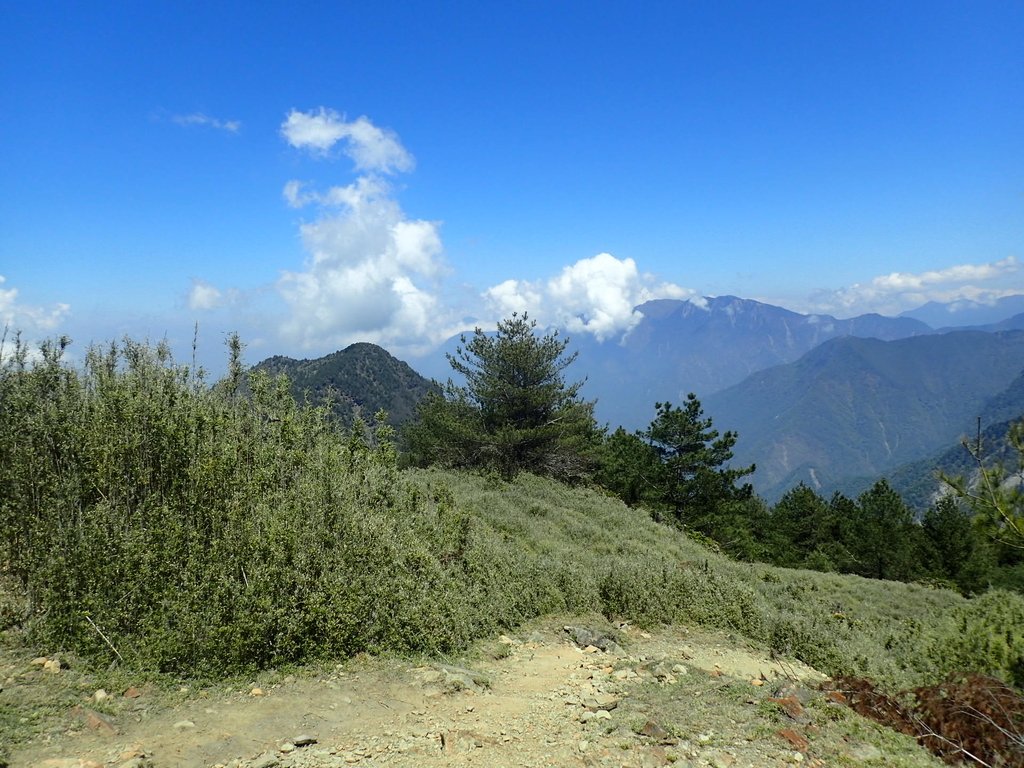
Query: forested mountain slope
[{"x": 859, "y": 407}]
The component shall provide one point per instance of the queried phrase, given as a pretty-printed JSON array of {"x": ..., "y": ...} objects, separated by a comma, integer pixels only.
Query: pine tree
[
  {"x": 695, "y": 476},
  {"x": 514, "y": 413}
]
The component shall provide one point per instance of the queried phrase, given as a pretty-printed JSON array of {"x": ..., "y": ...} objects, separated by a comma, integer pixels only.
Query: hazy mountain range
[
  {"x": 829, "y": 402},
  {"x": 857, "y": 407}
]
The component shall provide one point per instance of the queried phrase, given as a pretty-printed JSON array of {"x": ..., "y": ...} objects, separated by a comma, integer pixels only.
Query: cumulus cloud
[
  {"x": 204, "y": 296},
  {"x": 899, "y": 291},
  {"x": 596, "y": 295},
  {"x": 18, "y": 316},
  {"x": 372, "y": 273},
  {"x": 372, "y": 149},
  {"x": 198, "y": 118}
]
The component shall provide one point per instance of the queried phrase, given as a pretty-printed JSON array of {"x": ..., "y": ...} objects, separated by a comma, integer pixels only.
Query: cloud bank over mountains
[
  {"x": 598, "y": 295},
  {"x": 372, "y": 273},
  {"x": 899, "y": 291}
]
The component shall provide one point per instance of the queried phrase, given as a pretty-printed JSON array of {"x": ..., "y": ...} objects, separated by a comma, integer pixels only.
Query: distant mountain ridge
[
  {"x": 918, "y": 482},
  {"x": 685, "y": 346},
  {"x": 966, "y": 313},
  {"x": 362, "y": 378},
  {"x": 857, "y": 407}
]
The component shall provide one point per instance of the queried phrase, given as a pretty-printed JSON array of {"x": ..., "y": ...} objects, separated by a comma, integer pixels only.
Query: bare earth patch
[{"x": 688, "y": 698}]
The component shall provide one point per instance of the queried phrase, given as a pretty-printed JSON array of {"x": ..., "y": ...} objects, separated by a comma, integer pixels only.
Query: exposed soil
[{"x": 537, "y": 699}]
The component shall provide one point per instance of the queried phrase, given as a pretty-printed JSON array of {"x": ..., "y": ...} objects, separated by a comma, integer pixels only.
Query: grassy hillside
[
  {"x": 154, "y": 522},
  {"x": 591, "y": 552}
]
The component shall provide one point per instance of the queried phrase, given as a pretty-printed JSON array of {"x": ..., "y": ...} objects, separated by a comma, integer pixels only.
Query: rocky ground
[{"x": 584, "y": 694}]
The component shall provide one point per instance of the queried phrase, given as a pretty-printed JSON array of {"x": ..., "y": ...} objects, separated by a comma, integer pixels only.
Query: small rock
[
  {"x": 304, "y": 740},
  {"x": 587, "y": 716},
  {"x": 679, "y": 669},
  {"x": 797, "y": 740},
  {"x": 52, "y": 666},
  {"x": 459, "y": 741},
  {"x": 184, "y": 725},
  {"x": 266, "y": 760},
  {"x": 256, "y": 691},
  {"x": 131, "y": 752},
  {"x": 603, "y": 714},
  {"x": 601, "y": 701},
  {"x": 100, "y": 695},
  {"x": 94, "y": 721},
  {"x": 286, "y": 748},
  {"x": 792, "y": 707},
  {"x": 39, "y": 661},
  {"x": 654, "y": 731},
  {"x": 654, "y": 757},
  {"x": 132, "y": 693},
  {"x": 757, "y": 682}
]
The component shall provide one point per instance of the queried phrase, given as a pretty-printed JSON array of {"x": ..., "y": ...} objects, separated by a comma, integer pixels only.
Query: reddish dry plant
[{"x": 972, "y": 719}]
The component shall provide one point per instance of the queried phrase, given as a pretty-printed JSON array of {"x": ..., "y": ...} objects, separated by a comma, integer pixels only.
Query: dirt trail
[{"x": 544, "y": 701}]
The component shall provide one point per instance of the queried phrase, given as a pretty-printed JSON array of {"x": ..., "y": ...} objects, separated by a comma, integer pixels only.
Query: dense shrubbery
[
  {"x": 182, "y": 527},
  {"x": 170, "y": 525}
]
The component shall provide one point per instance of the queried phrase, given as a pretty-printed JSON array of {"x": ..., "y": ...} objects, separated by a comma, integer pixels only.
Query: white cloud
[
  {"x": 516, "y": 296},
  {"x": 204, "y": 296},
  {"x": 372, "y": 273},
  {"x": 365, "y": 189},
  {"x": 904, "y": 281},
  {"x": 596, "y": 295},
  {"x": 373, "y": 149},
  {"x": 899, "y": 291},
  {"x": 198, "y": 118},
  {"x": 369, "y": 278},
  {"x": 18, "y": 316}
]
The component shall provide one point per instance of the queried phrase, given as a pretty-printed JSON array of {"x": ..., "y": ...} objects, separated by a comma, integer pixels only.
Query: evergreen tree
[
  {"x": 514, "y": 413},
  {"x": 799, "y": 522},
  {"x": 694, "y": 474},
  {"x": 956, "y": 550},
  {"x": 887, "y": 543},
  {"x": 629, "y": 467}
]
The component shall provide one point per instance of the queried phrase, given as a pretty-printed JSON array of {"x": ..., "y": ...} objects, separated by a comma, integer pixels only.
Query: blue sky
[{"x": 313, "y": 174}]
